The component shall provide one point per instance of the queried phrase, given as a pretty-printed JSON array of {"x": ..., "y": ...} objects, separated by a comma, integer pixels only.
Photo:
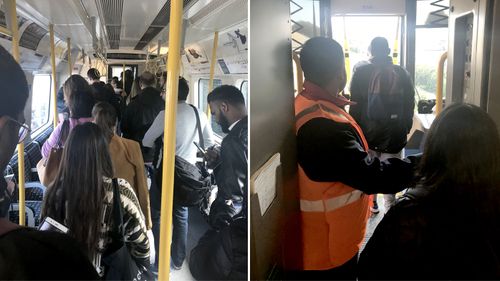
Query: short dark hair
[
  {"x": 94, "y": 74},
  {"x": 183, "y": 89},
  {"x": 379, "y": 47},
  {"x": 147, "y": 78},
  {"x": 227, "y": 93},
  {"x": 13, "y": 86},
  {"x": 321, "y": 59}
]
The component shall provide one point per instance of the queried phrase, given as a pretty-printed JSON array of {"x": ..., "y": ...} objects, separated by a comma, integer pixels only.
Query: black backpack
[{"x": 385, "y": 94}]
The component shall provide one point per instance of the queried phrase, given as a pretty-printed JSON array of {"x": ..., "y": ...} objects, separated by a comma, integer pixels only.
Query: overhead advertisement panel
[{"x": 372, "y": 7}]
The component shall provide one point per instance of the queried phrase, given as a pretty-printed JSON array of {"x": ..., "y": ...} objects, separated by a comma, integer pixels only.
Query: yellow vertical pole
[
  {"x": 20, "y": 147},
  {"x": 53, "y": 63},
  {"x": 346, "y": 55},
  {"x": 70, "y": 69},
  {"x": 439, "y": 88},
  {"x": 212, "y": 67},
  {"x": 395, "y": 51},
  {"x": 167, "y": 195}
]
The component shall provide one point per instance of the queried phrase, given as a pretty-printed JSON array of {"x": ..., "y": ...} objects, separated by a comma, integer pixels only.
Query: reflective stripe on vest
[{"x": 330, "y": 204}]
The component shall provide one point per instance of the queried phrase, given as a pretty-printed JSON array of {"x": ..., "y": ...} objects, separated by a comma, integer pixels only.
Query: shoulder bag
[{"x": 47, "y": 167}]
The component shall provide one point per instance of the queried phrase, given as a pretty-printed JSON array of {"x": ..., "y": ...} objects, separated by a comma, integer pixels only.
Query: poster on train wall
[
  {"x": 235, "y": 64},
  {"x": 196, "y": 55},
  {"x": 200, "y": 68},
  {"x": 235, "y": 42}
]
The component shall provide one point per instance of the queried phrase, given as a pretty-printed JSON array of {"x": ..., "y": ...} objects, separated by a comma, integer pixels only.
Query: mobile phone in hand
[
  {"x": 199, "y": 148},
  {"x": 50, "y": 224}
]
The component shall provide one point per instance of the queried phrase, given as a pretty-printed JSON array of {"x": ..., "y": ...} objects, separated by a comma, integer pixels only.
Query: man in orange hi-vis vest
[{"x": 335, "y": 171}]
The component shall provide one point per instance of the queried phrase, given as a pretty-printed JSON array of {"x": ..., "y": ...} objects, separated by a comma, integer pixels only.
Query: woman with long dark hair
[
  {"x": 79, "y": 99},
  {"x": 448, "y": 226},
  {"x": 81, "y": 198},
  {"x": 125, "y": 154}
]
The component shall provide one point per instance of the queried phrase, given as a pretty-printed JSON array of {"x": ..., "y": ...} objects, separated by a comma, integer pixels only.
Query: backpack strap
[
  {"x": 117, "y": 211},
  {"x": 198, "y": 126}
]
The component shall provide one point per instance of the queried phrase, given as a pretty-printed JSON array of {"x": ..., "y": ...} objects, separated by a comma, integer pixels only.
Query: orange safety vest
[{"x": 333, "y": 214}]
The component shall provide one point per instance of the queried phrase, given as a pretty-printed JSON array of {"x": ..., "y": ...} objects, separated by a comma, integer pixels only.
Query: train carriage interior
[
  {"x": 448, "y": 47},
  {"x": 113, "y": 36}
]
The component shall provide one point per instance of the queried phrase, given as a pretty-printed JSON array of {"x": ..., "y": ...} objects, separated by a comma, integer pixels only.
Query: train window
[
  {"x": 202, "y": 102},
  {"x": 430, "y": 43},
  {"x": 244, "y": 90},
  {"x": 40, "y": 108}
]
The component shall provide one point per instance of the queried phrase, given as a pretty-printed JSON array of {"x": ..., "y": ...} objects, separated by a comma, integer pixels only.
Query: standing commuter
[
  {"x": 125, "y": 155},
  {"x": 448, "y": 226},
  {"x": 81, "y": 198},
  {"x": 335, "y": 170},
  {"x": 80, "y": 100},
  {"x": 185, "y": 134},
  {"x": 222, "y": 251},
  {"x": 27, "y": 254},
  {"x": 227, "y": 106},
  {"x": 141, "y": 112},
  {"x": 384, "y": 99},
  {"x": 101, "y": 91}
]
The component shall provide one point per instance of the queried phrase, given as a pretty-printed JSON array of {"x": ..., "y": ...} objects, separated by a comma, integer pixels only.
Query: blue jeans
[{"x": 179, "y": 233}]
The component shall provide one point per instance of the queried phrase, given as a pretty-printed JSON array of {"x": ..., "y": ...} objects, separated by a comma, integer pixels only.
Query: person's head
[
  {"x": 462, "y": 153},
  {"x": 147, "y": 79},
  {"x": 78, "y": 188},
  {"x": 13, "y": 95},
  {"x": 115, "y": 82},
  {"x": 78, "y": 96},
  {"x": 104, "y": 115},
  {"x": 227, "y": 105},
  {"x": 94, "y": 75},
  {"x": 322, "y": 61},
  {"x": 183, "y": 89},
  {"x": 379, "y": 47}
]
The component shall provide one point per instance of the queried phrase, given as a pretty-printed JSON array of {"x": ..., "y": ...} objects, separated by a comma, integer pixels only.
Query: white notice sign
[{"x": 263, "y": 182}]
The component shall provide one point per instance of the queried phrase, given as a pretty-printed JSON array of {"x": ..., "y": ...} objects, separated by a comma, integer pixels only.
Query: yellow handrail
[
  {"x": 53, "y": 63},
  {"x": 439, "y": 88},
  {"x": 174, "y": 41},
  {"x": 212, "y": 67},
  {"x": 69, "y": 57},
  {"x": 20, "y": 147},
  {"x": 299, "y": 74}
]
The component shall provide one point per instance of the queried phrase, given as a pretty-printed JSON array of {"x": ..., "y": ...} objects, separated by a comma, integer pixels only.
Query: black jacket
[
  {"x": 139, "y": 115},
  {"x": 382, "y": 136},
  {"x": 101, "y": 93},
  {"x": 329, "y": 151},
  {"x": 429, "y": 235},
  {"x": 231, "y": 175}
]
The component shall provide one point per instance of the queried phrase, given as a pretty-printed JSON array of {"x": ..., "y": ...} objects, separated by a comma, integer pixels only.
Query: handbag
[
  {"x": 119, "y": 263},
  {"x": 47, "y": 168},
  {"x": 192, "y": 183}
]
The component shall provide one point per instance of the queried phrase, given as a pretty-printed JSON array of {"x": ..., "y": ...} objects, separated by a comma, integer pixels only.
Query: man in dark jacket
[
  {"x": 25, "y": 253},
  {"x": 222, "y": 252},
  {"x": 386, "y": 136},
  {"x": 141, "y": 113},
  {"x": 101, "y": 92},
  {"x": 227, "y": 106}
]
